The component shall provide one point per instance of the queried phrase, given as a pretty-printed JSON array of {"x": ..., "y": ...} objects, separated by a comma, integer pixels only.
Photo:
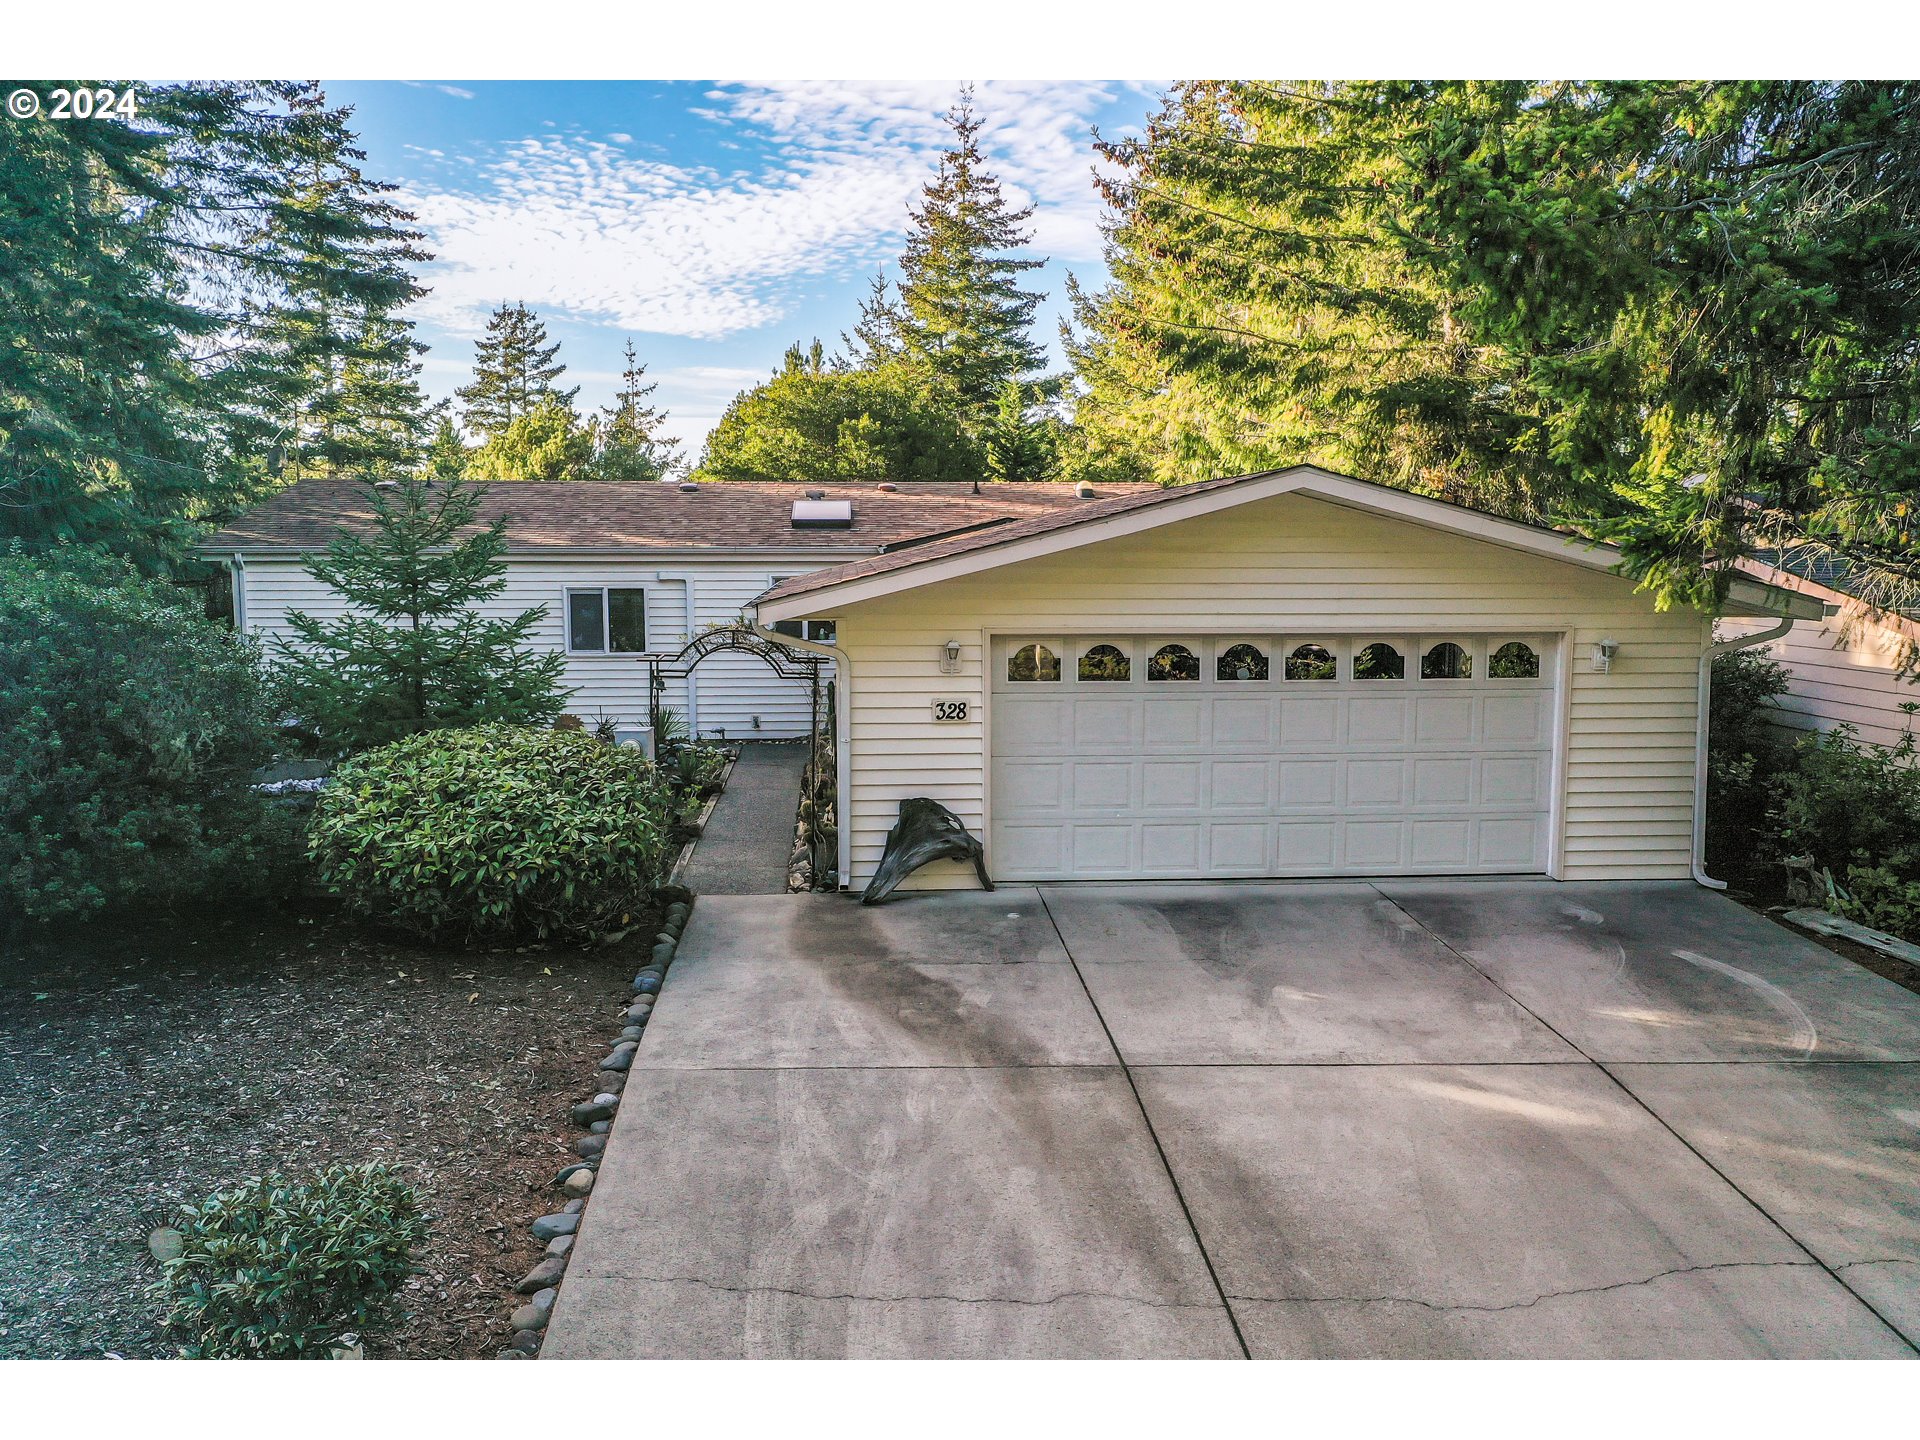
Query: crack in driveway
[
  {"x": 1535, "y": 1300},
  {"x": 799, "y": 1294}
]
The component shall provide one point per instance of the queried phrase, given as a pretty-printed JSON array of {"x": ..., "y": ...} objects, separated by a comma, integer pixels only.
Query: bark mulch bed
[{"x": 144, "y": 1065}]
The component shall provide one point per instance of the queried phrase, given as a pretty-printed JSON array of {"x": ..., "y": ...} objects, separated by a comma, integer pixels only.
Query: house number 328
[{"x": 950, "y": 709}]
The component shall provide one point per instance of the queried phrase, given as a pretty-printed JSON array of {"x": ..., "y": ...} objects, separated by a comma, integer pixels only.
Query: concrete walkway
[
  {"x": 749, "y": 837},
  {"x": 1280, "y": 1120}
]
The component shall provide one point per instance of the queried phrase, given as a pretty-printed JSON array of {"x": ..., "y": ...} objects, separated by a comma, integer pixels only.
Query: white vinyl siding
[
  {"x": 1833, "y": 680},
  {"x": 727, "y": 690},
  {"x": 1285, "y": 565}
]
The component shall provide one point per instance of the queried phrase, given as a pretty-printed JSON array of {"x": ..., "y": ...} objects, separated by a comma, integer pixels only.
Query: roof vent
[
  {"x": 823, "y": 514},
  {"x": 1084, "y": 490},
  {"x": 386, "y": 484},
  {"x": 816, "y": 494},
  {"x": 687, "y": 487},
  {"x": 888, "y": 486}
]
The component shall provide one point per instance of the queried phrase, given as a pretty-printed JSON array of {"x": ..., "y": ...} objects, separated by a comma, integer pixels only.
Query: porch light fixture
[
  {"x": 1603, "y": 653},
  {"x": 950, "y": 658}
]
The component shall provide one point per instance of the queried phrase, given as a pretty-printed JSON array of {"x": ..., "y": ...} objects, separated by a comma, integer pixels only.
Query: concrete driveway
[{"x": 1411, "y": 1119}]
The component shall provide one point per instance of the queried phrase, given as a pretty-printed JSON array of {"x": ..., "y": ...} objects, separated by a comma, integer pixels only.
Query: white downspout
[
  {"x": 842, "y": 739},
  {"x": 1707, "y": 657},
  {"x": 238, "y": 569}
]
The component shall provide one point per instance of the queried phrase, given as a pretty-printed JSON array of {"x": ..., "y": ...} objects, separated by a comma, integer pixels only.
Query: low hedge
[{"x": 494, "y": 834}]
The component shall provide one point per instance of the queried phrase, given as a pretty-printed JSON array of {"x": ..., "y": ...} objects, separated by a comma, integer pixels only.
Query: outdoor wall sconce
[
  {"x": 950, "y": 658},
  {"x": 1603, "y": 653}
]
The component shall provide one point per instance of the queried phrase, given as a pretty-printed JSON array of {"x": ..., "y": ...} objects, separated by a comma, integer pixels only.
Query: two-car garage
[
  {"x": 1316, "y": 753},
  {"x": 1294, "y": 673}
]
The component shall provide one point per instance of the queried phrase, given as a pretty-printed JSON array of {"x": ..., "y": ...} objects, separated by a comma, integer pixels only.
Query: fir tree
[
  {"x": 1020, "y": 447},
  {"x": 960, "y": 316},
  {"x": 448, "y": 456},
  {"x": 547, "y": 443},
  {"x": 513, "y": 370},
  {"x": 139, "y": 369},
  {"x": 628, "y": 442},
  {"x": 414, "y": 651},
  {"x": 334, "y": 370}
]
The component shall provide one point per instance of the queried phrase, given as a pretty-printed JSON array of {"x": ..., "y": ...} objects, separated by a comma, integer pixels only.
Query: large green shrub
[
  {"x": 1847, "y": 802},
  {"x": 1746, "y": 752},
  {"x": 129, "y": 724},
  {"x": 272, "y": 1269},
  {"x": 493, "y": 834}
]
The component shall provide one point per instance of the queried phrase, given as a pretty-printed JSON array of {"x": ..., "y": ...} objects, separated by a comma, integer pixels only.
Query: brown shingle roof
[
  {"x": 1129, "y": 497},
  {"x": 736, "y": 515}
]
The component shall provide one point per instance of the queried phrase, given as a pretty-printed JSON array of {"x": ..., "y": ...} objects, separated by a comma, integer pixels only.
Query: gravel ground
[{"x": 141, "y": 1067}]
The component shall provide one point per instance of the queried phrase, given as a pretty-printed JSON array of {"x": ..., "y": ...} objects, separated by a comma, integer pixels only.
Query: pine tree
[
  {"x": 960, "y": 316},
  {"x": 628, "y": 443},
  {"x": 513, "y": 370},
  {"x": 414, "y": 651},
  {"x": 547, "y": 443}
]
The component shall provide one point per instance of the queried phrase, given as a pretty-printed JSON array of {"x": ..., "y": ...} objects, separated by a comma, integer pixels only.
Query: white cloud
[{"x": 581, "y": 227}]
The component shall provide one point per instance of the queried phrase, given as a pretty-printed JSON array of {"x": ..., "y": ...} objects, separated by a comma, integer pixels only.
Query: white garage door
[{"x": 1170, "y": 755}]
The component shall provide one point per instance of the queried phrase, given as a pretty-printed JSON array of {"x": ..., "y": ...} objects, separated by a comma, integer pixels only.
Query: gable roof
[
  {"x": 613, "y": 515},
  {"x": 1131, "y": 513},
  {"x": 1829, "y": 581}
]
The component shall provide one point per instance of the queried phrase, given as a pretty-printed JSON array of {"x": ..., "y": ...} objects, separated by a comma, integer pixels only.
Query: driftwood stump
[{"x": 925, "y": 831}]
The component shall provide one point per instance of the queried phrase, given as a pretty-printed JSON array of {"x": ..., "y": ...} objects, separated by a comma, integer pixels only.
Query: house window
[
  {"x": 607, "y": 619},
  {"x": 1514, "y": 661},
  {"x": 1032, "y": 663},
  {"x": 1379, "y": 661},
  {"x": 1241, "y": 662},
  {"x": 1173, "y": 662},
  {"x": 821, "y": 632},
  {"x": 1446, "y": 661},
  {"x": 1311, "y": 662},
  {"x": 1105, "y": 662}
]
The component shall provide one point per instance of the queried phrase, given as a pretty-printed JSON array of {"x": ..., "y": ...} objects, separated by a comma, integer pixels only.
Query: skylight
[{"x": 823, "y": 514}]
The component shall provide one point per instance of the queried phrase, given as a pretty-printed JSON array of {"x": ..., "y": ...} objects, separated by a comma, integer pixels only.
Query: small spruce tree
[{"x": 413, "y": 652}]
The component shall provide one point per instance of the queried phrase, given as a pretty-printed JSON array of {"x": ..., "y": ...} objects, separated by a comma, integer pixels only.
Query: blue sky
[{"x": 714, "y": 223}]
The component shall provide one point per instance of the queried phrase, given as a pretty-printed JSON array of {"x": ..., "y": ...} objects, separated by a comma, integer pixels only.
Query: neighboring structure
[
  {"x": 1291, "y": 673},
  {"x": 1845, "y": 668},
  {"x": 629, "y": 570}
]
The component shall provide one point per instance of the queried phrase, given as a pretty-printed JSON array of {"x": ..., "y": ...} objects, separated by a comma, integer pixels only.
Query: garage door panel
[
  {"x": 1443, "y": 780},
  {"x": 1240, "y": 785},
  {"x": 1516, "y": 718},
  {"x": 1176, "y": 778},
  {"x": 1102, "y": 785},
  {"x": 1175, "y": 723},
  {"x": 1444, "y": 720},
  {"x": 1377, "y": 782},
  {"x": 1243, "y": 723},
  {"x": 1103, "y": 850},
  {"x": 1379, "y": 720},
  {"x": 1173, "y": 785},
  {"x": 1309, "y": 782},
  {"x": 1170, "y": 849},
  {"x": 1309, "y": 722},
  {"x": 1105, "y": 724},
  {"x": 1305, "y": 847}
]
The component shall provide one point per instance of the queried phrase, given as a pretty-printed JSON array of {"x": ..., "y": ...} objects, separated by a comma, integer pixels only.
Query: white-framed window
[{"x": 606, "y": 619}]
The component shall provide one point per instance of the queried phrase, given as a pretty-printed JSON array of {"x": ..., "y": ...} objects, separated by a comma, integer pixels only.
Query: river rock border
[{"x": 541, "y": 1285}]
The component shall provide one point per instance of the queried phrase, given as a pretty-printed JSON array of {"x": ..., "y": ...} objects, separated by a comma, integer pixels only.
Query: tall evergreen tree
[
  {"x": 628, "y": 444},
  {"x": 134, "y": 363},
  {"x": 1677, "y": 314},
  {"x": 336, "y": 370},
  {"x": 960, "y": 316},
  {"x": 1021, "y": 447},
  {"x": 514, "y": 367},
  {"x": 414, "y": 650},
  {"x": 448, "y": 456}
]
